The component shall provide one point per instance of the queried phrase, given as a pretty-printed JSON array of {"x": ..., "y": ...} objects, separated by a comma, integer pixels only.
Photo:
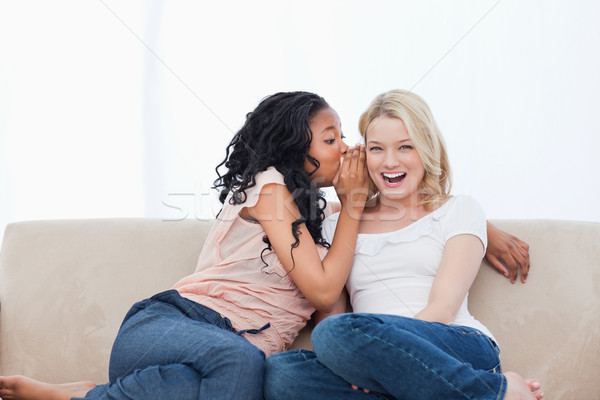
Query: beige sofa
[{"x": 65, "y": 286}]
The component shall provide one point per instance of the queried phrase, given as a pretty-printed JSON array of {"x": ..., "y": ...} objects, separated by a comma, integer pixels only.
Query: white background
[{"x": 124, "y": 108}]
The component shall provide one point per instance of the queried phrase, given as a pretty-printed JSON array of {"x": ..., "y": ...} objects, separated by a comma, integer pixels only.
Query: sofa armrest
[
  {"x": 548, "y": 328},
  {"x": 66, "y": 285}
]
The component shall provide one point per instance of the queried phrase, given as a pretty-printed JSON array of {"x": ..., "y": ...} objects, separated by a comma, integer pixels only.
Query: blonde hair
[{"x": 425, "y": 135}]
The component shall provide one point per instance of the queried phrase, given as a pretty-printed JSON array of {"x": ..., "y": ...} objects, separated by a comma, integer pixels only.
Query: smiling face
[
  {"x": 326, "y": 146},
  {"x": 393, "y": 162}
]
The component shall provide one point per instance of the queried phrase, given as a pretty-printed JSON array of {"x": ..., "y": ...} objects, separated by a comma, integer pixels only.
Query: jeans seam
[{"x": 502, "y": 391}]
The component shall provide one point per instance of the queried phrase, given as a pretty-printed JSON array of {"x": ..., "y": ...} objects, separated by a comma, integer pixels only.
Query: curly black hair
[{"x": 277, "y": 134}]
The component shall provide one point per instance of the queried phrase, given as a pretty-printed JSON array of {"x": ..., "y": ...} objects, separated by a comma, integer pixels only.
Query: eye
[
  {"x": 406, "y": 147},
  {"x": 374, "y": 148},
  {"x": 330, "y": 141}
]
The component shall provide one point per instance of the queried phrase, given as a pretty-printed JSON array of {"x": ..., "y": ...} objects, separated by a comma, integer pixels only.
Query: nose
[
  {"x": 343, "y": 147},
  {"x": 391, "y": 160}
]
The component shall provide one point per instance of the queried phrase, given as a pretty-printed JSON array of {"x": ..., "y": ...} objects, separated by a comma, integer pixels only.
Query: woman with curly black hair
[{"x": 263, "y": 270}]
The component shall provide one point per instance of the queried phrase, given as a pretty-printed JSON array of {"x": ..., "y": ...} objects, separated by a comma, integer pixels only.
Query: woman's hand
[
  {"x": 352, "y": 181},
  {"x": 507, "y": 253}
]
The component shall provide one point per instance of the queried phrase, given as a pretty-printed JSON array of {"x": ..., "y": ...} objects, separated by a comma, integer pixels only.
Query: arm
[
  {"x": 505, "y": 250},
  {"x": 320, "y": 282},
  {"x": 458, "y": 269},
  {"x": 339, "y": 307}
]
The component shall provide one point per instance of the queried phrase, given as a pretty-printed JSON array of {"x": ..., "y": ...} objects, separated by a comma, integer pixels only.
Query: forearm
[
  {"x": 351, "y": 185},
  {"x": 339, "y": 307},
  {"x": 437, "y": 312},
  {"x": 339, "y": 259},
  {"x": 459, "y": 266}
]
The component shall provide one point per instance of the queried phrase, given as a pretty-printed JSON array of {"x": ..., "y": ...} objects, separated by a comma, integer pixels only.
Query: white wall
[
  {"x": 70, "y": 112},
  {"x": 124, "y": 108}
]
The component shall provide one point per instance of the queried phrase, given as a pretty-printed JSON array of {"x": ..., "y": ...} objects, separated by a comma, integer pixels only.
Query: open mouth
[{"x": 394, "y": 179}]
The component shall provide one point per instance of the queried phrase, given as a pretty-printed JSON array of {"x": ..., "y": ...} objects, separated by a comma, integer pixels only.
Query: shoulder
[
  {"x": 270, "y": 175},
  {"x": 266, "y": 184},
  {"x": 462, "y": 207},
  {"x": 464, "y": 203},
  {"x": 270, "y": 178},
  {"x": 464, "y": 214}
]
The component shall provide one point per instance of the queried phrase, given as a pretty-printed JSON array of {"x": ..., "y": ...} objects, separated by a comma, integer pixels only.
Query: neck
[
  {"x": 391, "y": 209},
  {"x": 409, "y": 203}
]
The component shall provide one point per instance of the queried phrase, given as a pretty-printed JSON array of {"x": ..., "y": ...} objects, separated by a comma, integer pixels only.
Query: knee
[
  {"x": 328, "y": 330},
  {"x": 332, "y": 331},
  {"x": 238, "y": 357},
  {"x": 250, "y": 358},
  {"x": 343, "y": 337}
]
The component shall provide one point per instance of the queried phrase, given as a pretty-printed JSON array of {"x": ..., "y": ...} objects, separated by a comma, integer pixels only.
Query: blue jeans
[
  {"x": 394, "y": 357},
  {"x": 169, "y": 347}
]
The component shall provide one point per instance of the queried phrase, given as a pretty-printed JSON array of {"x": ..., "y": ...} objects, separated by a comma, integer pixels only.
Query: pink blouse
[{"x": 232, "y": 279}]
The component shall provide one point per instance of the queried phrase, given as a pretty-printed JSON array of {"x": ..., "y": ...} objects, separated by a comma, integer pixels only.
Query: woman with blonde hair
[{"x": 411, "y": 335}]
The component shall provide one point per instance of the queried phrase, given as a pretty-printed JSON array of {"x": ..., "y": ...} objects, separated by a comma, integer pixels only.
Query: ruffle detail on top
[{"x": 372, "y": 243}]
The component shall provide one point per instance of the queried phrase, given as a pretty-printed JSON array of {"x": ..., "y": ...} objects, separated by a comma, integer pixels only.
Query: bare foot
[
  {"x": 535, "y": 385},
  {"x": 518, "y": 388},
  {"x": 23, "y": 388}
]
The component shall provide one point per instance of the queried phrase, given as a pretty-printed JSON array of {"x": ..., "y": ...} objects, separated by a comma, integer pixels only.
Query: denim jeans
[
  {"x": 169, "y": 347},
  {"x": 394, "y": 357}
]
